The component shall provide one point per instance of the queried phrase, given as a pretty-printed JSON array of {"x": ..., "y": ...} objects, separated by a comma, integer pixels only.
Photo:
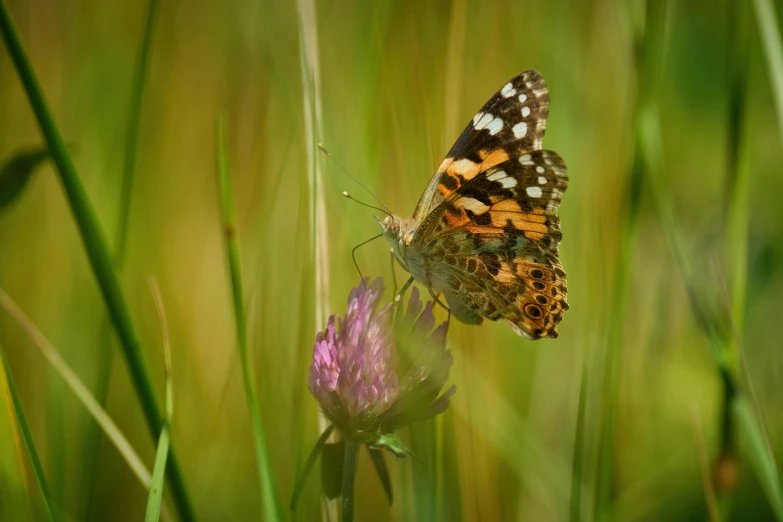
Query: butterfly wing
[
  {"x": 510, "y": 124},
  {"x": 494, "y": 241}
]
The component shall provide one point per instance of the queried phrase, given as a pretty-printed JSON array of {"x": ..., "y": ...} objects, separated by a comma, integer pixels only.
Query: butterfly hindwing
[
  {"x": 499, "y": 234},
  {"x": 510, "y": 124}
]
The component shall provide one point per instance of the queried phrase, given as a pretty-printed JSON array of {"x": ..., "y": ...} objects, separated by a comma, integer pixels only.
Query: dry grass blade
[
  {"x": 310, "y": 71},
  {"x": 79, "y": 389}
]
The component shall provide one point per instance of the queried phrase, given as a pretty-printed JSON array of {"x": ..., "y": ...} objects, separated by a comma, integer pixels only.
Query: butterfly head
[{"x": 398, "y": 233}]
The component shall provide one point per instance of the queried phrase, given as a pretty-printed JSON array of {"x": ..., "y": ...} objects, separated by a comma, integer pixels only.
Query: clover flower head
[{"x": 355, "y": 375}]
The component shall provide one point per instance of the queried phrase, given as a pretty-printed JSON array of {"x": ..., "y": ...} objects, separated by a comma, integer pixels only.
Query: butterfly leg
[
  {"x": 398, "y": 297},
  {"x": 353, "y": 256},
  {"x": 394, "y": 274},
  {"x": 437, "y": 300}
]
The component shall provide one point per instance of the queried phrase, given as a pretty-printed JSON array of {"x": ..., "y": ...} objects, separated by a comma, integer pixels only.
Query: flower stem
[{"x": 350, "y": 462}]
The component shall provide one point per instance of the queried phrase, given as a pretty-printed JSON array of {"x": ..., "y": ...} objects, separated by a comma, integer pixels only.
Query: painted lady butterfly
[{"x": 485, "y": 232}]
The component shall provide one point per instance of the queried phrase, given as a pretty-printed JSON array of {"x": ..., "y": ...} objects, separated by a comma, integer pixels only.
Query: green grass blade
[
  {"x": 79, "y": 389},
  {"x": 27, "y": 439},
  {"x": 751, "y": 428},
  {"x": 760, "y": 455},
  {"x": 155, "y": 498},
  {"x": 132, "y": 131},
  {"x": 96, "y": 248},
  {"x": 647, "y": 42},
  {"x": 577, "y": 468},
  {"x": 382, "y": 470},
  {"x": 105, "y": 356},
  {"x": 269, "y": 500},
  {"x": 769, "y": 27}
]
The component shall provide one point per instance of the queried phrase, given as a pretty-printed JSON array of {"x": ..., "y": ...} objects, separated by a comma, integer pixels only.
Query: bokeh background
[{"x": 607, "y": 422}]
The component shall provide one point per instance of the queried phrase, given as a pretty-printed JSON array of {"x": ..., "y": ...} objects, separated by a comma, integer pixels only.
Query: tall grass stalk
[
  {"x": 79, "y": 389},
  {"x": 442, "y": 491},
  {"x": 644, "y": 39},
  {"x": 27, "y": 439},
  {"x": 723, "y": 339},
  {"x": 578, "y": 464},
  {"x": 310, "y": 71},
  {"x": 737, "y": 189},
  {"x": 311, "y": 103},
  {"x": 750, "y": 427},
  {"x": 105, "y": 354},
  {"x": 269, "y": 500},
  {"x": 97, "y": 250}
]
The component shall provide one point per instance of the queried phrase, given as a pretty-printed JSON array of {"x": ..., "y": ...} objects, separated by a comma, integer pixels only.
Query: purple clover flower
[{"x": 356, "y": 374}]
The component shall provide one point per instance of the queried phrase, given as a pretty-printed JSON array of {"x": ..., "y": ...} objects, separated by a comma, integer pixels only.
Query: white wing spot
[
  {"x": 534, "y": 192},
  {"x": 508, "y": 182},
  {"x": 540, "y": 169},
  {"x": 474, "y": 205},
  {"x": 484, "y": 121},
  {"x": 525, "y": 159},
  {"x": 464, "y": 166},
  {"x": 541, "y": 180},
  {"x": 477, "y": 117},
  {"x": 497, "y": 175},
  {"x": 522, "y": 98},
  {"x": 525, "y": 112},
  {"x": 508, "y": 90},
  {"x": 495, "y": 126},
  {"x": 520, "y": 129}
]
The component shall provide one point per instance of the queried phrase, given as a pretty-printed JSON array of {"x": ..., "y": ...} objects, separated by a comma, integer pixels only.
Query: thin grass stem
[
  {"x": 155, "y": 498},
  {"x": 27, "y": 439},
  {"x": 106, "y": 352},
  {"x": 270, "y": 504},
  {"x": 769, "y": 31},
  {"x": 101, "y": 416}
]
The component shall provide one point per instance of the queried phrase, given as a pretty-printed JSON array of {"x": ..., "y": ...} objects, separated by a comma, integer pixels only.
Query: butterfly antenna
[
  {"x": 363, "y": 203},
  {"x": 387, "y": 211},
  {"x": 353, "y": 256}
]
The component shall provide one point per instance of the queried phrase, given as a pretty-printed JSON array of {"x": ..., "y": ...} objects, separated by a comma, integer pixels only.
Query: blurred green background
[{"x": 605, "y": 423}]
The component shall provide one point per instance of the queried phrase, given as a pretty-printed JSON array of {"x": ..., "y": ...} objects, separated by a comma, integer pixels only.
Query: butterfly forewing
[{"x": 510, "y": 124}]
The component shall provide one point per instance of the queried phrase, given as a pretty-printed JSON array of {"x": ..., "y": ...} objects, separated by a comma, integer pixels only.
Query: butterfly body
[{"x": 485, "y": 233}]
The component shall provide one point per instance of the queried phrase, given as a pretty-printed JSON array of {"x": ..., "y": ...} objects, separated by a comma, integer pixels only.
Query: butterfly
[{"x": 485, "y": 233}]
